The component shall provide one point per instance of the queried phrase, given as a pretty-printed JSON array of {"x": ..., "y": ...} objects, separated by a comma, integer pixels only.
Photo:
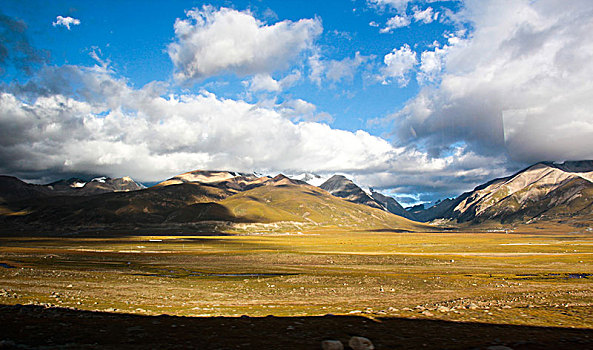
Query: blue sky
[
  {"x": 419, "y": 99},
  {"x": 135, "y": 41}
]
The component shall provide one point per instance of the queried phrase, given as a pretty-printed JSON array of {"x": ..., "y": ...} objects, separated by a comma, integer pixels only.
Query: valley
[
  {"x": 208, "y": 249},
  {"x": 540, "y": 279}
]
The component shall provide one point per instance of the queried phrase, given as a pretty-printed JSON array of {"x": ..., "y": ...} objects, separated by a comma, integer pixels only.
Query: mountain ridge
[{"x": 520, "y": 197}]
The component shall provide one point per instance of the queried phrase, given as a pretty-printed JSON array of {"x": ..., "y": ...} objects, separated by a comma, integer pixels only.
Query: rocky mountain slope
[
  {"x": 342, "y": 187},
  {"x": 543, "y": 191},
  {"x": 231, "y": 181},
  {"x": 391, "y": 205}
]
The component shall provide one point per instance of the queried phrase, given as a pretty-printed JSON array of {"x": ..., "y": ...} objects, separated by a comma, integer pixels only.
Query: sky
[{"x": 419, "y": 99}]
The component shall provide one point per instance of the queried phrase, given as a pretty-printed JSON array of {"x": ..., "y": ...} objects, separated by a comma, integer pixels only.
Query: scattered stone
[
  {"x": 361, "y": 343},
  {"x": 443, "y": 309},
  {"x": 332, "y": 345},
  {"x": 472, "y": 306},
  {"x": 427, "y": 313},
  {"x": 392, "y": 309}
]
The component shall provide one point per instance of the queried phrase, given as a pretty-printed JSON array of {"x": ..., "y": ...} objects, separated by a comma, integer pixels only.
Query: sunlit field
[{"x": 530, "y": 279}]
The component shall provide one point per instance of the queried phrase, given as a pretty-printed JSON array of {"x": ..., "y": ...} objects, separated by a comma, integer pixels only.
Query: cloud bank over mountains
[{"x": 512, "y": 85}]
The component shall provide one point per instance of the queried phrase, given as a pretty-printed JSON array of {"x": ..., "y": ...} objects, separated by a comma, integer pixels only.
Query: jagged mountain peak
[
  {"x": 310, "y": 178},
  {"x": 282, "y": 179},
  {"x": 341, "y": 186}
]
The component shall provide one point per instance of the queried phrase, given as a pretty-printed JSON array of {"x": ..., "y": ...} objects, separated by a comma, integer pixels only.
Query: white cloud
[
  {"x": 334, "y": 70},
  {"x": 66, "y": 22},
  {"x": 265, "y": 82},
  {"x": 425, "y": 16},
  {"x": 212, "y": 42},
  {"x": 395, "y": 22},
  {"x": 398, "y": 5},
  {"x": 398, "y": 64},
  {"x": 301, "y": 110},
  {"x": 431, "y": 63},
  {"x": 518, "y": 84}
]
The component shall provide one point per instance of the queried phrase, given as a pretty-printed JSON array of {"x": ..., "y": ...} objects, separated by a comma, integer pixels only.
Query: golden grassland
[{"x": 540, "y": 278}]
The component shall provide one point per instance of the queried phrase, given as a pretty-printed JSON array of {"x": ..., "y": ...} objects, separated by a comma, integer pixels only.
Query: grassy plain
[{"x": 540, "y": 279}]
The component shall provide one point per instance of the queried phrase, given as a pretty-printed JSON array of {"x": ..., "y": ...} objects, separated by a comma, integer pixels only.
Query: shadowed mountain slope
[
  {"x": 13, "y": 189},
  {"x": 342, "y": 187}
]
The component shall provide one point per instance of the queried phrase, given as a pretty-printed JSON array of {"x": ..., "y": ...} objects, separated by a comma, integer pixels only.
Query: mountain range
[
  {"x": 218, "y": 201},
  {"x": 197, "y": 201}
]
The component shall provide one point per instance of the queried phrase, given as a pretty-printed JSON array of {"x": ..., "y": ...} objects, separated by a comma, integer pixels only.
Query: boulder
[
  {"x": 361, "y": 343},
  {"x": 332, "y": 345}
]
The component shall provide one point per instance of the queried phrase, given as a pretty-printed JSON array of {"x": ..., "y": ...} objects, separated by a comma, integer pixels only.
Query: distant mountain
[
  {"x": 311, "y": 179},
  {"x": 232, "y": 181},
  {"x": 295, "y": 201},
  {"x": 13, "y": 189},
  {"x": 342, "y": 187},
  {"x": 99, "y": 185},
  {"x": 392, "y": 205},
  {"x": 441, "y": 209},
  {"x": 542, "y": 192}
]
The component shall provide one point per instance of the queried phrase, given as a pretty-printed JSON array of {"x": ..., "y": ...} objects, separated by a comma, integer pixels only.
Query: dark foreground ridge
[{"x": 33, "y": 327}]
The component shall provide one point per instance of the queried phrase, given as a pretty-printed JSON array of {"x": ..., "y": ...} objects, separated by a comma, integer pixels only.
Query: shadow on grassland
[{"x": 38, "y": 327}]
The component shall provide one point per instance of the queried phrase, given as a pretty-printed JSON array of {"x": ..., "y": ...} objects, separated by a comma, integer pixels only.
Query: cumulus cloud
[
  {"x": 399, "y": 21},
  {"x": 213, "y": 41},
  {"x": 425, "y": 16},
  {"x": 301, "y": 110},
  {"x": 398, "y": 64},
  {"x": 431, "y": 64},
  {"x": 265, "y": 82},
  {"x": 395, "y": 22},
  {"x": 335, "y": 70},
  {"x": 66, "y": 22},
  {"x": 519, "y": 84},
  {"x": 398, "y": 5}
]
